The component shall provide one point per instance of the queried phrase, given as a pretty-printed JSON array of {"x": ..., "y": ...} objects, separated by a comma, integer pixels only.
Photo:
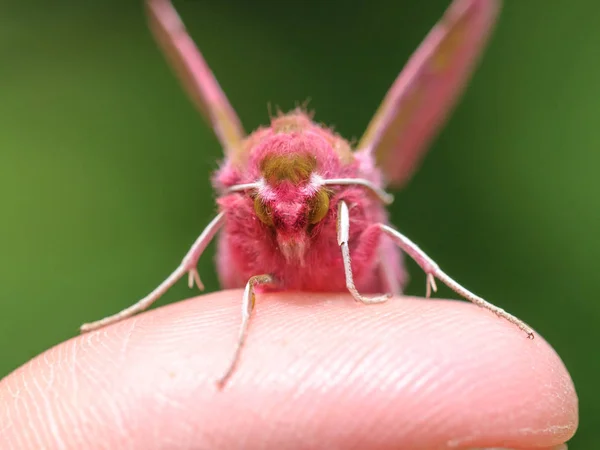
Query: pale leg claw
[
  {"x": 432, "y": 269},
  {"x": 429, "y": 285},
  {"x": 188, "y": 265},
  {"x": 194, "y": 277},
  {"x": 368, "y": 300}
]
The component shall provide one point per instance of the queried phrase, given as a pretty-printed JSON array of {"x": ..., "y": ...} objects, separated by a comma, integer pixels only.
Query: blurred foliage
[{"x": 104, "y": 163}]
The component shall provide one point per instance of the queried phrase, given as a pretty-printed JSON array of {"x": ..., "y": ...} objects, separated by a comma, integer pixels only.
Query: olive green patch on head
[{"x": 294, "y": 168}]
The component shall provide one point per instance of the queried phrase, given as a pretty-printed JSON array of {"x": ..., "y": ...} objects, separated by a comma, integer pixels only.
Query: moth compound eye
[
  {"x": 263, "y": 211},
  {"x": 318, "y": 206}
]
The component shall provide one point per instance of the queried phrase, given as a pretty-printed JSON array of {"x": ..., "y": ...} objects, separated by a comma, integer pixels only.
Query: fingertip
[{"x": 409, "y": 373}]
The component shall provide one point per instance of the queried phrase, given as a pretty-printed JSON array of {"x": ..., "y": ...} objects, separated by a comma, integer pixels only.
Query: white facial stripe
[
  {"x": 311, "y": 188},
  {"x": 266, "y": 192}
]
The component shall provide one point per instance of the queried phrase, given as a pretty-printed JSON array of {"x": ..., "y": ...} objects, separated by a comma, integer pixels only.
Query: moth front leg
[
  {"x": 343, "y": 233},
  {"x": 432, "y": 270},
  {"x": 188, "y": 265},
  {"x": 248, "y": 301}
]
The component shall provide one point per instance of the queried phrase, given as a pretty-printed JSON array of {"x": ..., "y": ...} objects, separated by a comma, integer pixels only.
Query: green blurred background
[{"x": 104, "y": 163}]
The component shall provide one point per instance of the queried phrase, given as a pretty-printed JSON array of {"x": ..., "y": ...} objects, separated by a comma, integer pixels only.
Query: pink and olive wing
[
  {"x": 195, "y": 75},
  {"x": 425, "y": 92}
]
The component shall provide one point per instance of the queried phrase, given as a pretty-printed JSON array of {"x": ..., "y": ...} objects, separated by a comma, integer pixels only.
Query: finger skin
[{"x": 317, "y": 371}]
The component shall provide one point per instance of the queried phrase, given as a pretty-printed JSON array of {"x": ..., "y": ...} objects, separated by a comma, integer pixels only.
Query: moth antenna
[{"x": 270, "y": 111}]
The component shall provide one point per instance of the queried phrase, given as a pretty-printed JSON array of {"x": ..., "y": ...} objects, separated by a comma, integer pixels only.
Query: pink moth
[{"x": 299, "y": 209}]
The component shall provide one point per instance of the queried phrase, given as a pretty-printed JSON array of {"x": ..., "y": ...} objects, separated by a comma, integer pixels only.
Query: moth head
[
  {"x": 289, "y": 216},
  {"x": 293, "y": 220},
  {"x": 291, "y": 202}
]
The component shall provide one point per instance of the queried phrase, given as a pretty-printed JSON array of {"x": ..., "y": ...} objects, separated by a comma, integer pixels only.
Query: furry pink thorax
[{"x": 288, "y": 159}]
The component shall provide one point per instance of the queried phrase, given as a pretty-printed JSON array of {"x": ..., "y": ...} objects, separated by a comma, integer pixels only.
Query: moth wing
[
  {"x": 195, "y": 75},
  {"x": 426, "y": 90}
]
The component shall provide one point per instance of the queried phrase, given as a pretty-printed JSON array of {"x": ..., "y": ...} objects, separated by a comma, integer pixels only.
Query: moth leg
[
  {"x": 248, "y": 301},
  {"x": 343, "y": 232},
  {"x": 188, "y": 265},
  {"x": 432, "y": 270}
]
